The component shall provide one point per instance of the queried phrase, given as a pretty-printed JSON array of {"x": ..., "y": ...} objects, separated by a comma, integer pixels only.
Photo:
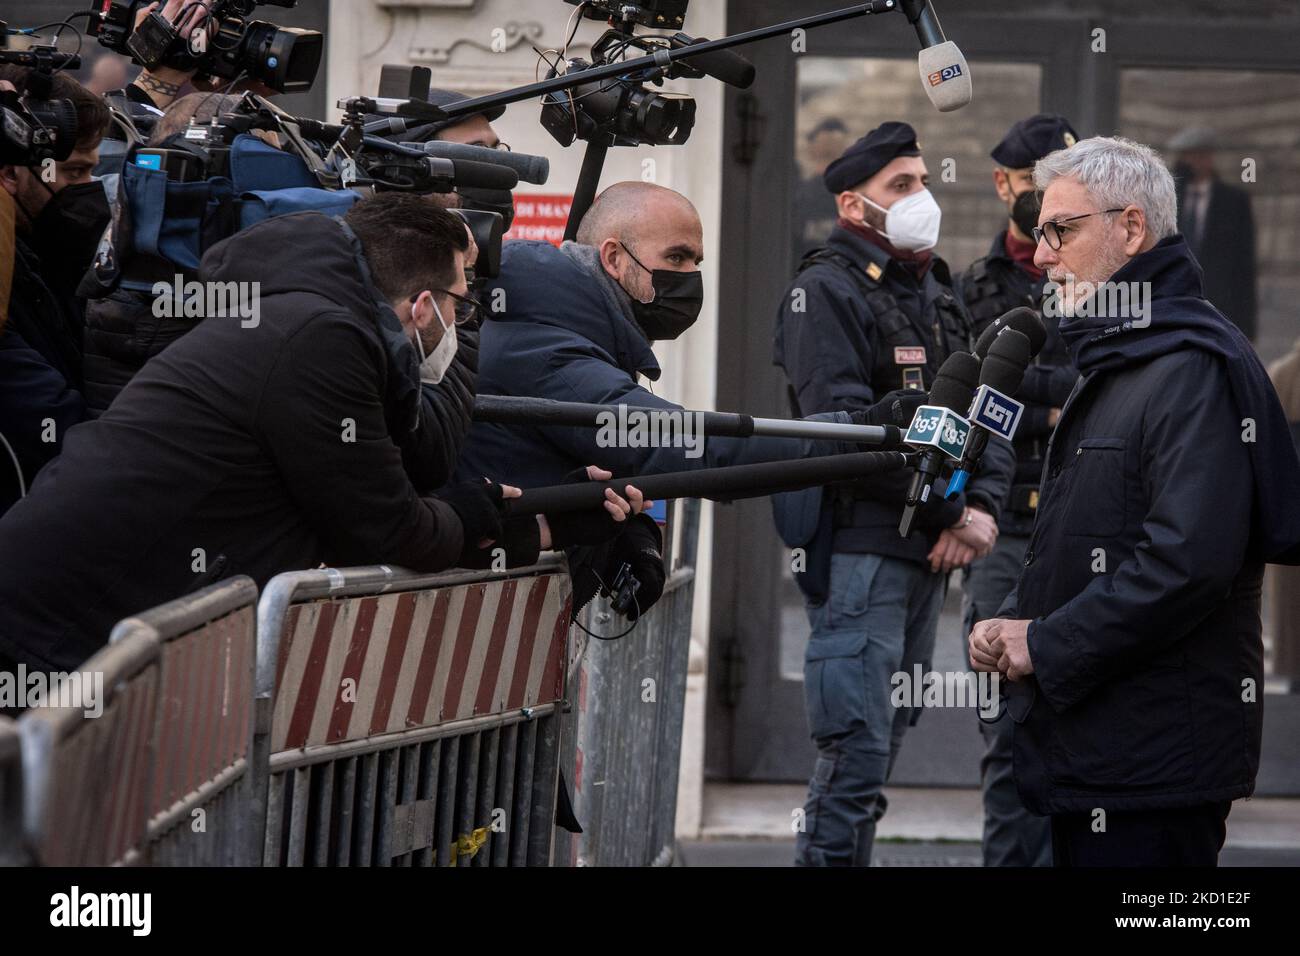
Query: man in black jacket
[
  {"x": 1132, "y": 641},
  {"x": 256, "y": 448}
]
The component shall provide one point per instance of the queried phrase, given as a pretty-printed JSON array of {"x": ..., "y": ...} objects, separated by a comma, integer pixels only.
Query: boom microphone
[
  {"x": 731, "y": 68},
  {"x": 1024, "y": 320},
  {"x": 944, "y": 73}
]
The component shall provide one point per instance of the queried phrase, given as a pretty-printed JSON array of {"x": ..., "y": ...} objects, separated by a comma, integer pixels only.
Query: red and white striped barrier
[{"x": 364, "y": 666}]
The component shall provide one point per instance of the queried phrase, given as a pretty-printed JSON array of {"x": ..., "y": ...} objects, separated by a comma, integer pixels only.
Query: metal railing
[
  {"x": 366, "y": 716},
  {"x": 202, "y": 737},
  {"x": 625, "y": 723},
  {"x": 157, "y": 777},
  {"x": 410, "y": 720}
]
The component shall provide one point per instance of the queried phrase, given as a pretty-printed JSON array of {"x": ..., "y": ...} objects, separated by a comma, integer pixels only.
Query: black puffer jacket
[
  {"x": 123, "y": 333},
  {"x": 238, "y": 450}
]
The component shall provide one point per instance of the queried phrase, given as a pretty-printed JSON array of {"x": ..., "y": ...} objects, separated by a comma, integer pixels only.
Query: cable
[
  {"x": 22, "y": 485},
  {"x": 574, "y": 22},
  {"x": 223, "y": 92},
  {"x": 60, "y": 26},
  {"x": 616, "y": 637}
]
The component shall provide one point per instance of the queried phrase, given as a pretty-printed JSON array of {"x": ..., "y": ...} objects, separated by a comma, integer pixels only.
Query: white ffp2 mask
[
  {"x": 912, "y": 223},
  {"x": 434, "y": 365}
]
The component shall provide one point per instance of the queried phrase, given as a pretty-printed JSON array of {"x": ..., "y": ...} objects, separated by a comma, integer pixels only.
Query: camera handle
[{"x": 584, "y": 194}]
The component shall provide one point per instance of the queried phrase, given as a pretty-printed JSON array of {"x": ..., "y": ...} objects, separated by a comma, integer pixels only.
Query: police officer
[
  {"x": 872, "y": 312},
  {"x": 1001, "y": 281}
]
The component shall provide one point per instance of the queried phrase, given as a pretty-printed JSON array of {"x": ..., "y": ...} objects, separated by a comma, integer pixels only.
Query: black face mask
[
  {"x": 1025, "y": 210},
  {"x": 679, "y": 296},
  {"x": 67, "y": 232}
]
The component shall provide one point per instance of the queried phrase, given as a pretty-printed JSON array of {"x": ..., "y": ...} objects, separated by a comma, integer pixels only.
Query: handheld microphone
[
  {"x": 993, "y": 410},
  {"x": 1024, "y": 320},
  {"x": 945, "y": 76},
  {"x": 939, "y": 429}
]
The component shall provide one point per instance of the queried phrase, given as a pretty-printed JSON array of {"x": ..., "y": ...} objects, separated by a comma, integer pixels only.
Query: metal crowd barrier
[
  {"x": 159, "y": 776},
  {"x": 202, "y": 778},
  {"x": 410, "y": 720},
  {"x": 365, "y": 716},
  {"x": 624, "y": 727}
]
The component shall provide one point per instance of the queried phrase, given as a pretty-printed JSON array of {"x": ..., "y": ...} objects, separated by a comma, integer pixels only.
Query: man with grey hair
[{"x": 1132, "y": 641}]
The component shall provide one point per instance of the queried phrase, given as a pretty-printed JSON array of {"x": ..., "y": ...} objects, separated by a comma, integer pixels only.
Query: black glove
[
  {"x": 571, "y": 529},
  {"x": 480, "y": 507},
  {"x": 520, "y": 540},
  {"x": 639, "y": 547},
  {"x": 896, "y": 408}
]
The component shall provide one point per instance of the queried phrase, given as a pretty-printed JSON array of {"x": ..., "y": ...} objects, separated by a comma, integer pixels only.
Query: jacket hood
[
  {"x": 1179, "y": 317},
  {"x": 316, "y": 255},
  {"x": 543, "y": 285}
]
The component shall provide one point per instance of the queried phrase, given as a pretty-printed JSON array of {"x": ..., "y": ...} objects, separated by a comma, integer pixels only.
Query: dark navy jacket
[
  {"x": 842, "y": 348},
  {"x": 559, "y": 338},
  {"x": 1170, "y": 480}
]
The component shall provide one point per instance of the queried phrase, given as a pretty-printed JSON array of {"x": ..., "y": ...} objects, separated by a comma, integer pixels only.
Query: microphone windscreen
[
  {"x": 730, "y": 68},
  {"x": 954, "y": 386},
  {"x": 1004, "y": 367},
  {"x": 484, "y": 175},
  {"x": 531, "y": 169},
  {"x": 1024, "y": 320},
  {"x": 945, "y": 76}
]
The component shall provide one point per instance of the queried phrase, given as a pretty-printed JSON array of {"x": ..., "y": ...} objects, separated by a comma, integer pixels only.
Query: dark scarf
[
  {"x": 917, "y": 263},
  {"x": 1022, "y": 254},
  {"x": 1181, "y": 318}
]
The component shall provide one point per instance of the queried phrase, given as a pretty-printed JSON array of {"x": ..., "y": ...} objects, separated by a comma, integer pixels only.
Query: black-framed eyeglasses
[
  {"x": 1054, "y": 230},
  {"x": 467, "y": 310}
]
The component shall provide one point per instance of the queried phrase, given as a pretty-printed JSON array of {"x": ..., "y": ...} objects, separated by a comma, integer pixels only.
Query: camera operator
[
  {"x": 153, "y": 91},
  {"x": 60, "y": 213},
  {"x": 473, "y": 130},
  {"x": 260, "y": 448},
  {"x": 161, "y": 86}
]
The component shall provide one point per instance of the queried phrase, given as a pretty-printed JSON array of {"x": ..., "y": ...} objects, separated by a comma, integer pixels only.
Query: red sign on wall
[{"x": 540, "y": 216}]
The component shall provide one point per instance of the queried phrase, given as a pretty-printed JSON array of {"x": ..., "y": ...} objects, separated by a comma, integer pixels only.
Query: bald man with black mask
[{"x": 576, "y": 324}]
